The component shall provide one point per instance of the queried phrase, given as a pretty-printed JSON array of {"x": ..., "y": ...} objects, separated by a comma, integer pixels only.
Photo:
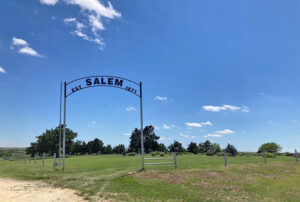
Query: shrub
[
  {"x": 220, "y": 154},
  {"x": 209, "y": 153},
  {"x": 162, "y": 154},
  {"x": 289, "y": 154},
  {"x": 231, "y": 150},
  {"x": 269, "y": 155},
  {"x": 152, "y": 154},
  {"x": 271, "y": 147}
]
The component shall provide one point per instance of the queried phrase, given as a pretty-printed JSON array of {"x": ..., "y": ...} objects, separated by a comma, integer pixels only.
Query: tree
[
  {"x": 162, "y": 147},
  {"x": 119, "y": 149},
  {"x": 107, "y": 149},
  {"x": 231, "y": 150},
  {"x": 271, "y": 147},
  {"x": 150, "y": 140},
  {"x": 215, "y": 148},
  {"x": 77, "y": 147},
  {"x": 193, "y": 148},
  {"x": 205, "y": 146},
  {"x": 84, "y": 148},
  {"x": 95, "y": 146},
  {"x": 48, "y": 142},
  {"x": 176, "y": 144}
]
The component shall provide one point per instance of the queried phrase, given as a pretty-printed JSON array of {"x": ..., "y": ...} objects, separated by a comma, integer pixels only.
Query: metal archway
[{"x": 99, "y": 81}]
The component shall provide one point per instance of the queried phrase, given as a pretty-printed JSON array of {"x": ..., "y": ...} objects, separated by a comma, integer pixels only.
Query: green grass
[{"x": 197, "y": 178}]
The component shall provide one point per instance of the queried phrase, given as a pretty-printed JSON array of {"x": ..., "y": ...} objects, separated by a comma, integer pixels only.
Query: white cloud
[
  {"x": 78, "y": 32},
  {"x": 197, "y": 125},
  {"x": 225, "y": 132},
  {"x": 225, "y": 107},
  {"x": 245, "y": 109},
  {"x": 95, "y": 7},
  {"x": 95, "y": 23},
  {"x": 29, "y": 51},
  {"x": 130, "y": 108},
  {"x": 184, "y": 135},
  {"x": 187, "y": 136},
  {"x": 95, "y": 12},
  {"x": 160, "y": 98},
  {"x": 165, "y": 126},
  {"x": 24, "y": 47},
  {"x": 208, "y": 123},
  {"x": 212, "y": 135},
  {"x": 49, "y": 2},
  {"x": 127, "y": 134},
  {"x": 79, "y": 26},
  {"x": 2, "y": 70},
  {"x": 162, "y": 138},
  {"x": 19, "y": 42}
]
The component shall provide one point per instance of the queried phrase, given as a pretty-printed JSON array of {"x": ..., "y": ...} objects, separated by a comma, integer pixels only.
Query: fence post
[
  {"x": 175, "y": 160},
  {"x": 296, "y": 155},
  {"x": 44, "y": 159},
  {"x": 54, "y": 160},
  {"x": 265, "y": 157},
  {"x": 35, "y": 159},
  {"x": 225, "y": 158}
]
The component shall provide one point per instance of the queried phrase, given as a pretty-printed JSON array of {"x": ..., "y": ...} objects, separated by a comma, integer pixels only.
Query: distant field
[
  {"x": 12, "y": 149},
  {"x": 197, "y": 177}
]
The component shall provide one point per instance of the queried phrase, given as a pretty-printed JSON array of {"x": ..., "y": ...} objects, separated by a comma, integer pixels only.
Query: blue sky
[{"x": 217, "y": 70}]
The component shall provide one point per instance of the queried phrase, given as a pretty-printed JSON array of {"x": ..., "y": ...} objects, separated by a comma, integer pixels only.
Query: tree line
[
  {"x": 210, "y": 148},
  {"x": 48, "y": 143}
]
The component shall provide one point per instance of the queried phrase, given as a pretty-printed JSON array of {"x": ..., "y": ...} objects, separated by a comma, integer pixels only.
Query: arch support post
[
  {"x": 142, "y": 127},
  {"x": 60, "y": 129},
  {"x": 64, "y": 131}
]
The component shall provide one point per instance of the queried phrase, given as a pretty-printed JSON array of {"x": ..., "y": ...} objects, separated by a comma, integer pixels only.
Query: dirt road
[{"x": 32, "y": 191}]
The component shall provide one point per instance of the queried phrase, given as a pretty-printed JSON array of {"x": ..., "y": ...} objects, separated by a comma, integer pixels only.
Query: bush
[
  {"x": 152, "y": 154},
  {"x": 289, "y": 154},
  {"x": 209, "y": 153},
  {"x": 231, "y": 150},
  {"x": 269, "y": 155},
  {"x": 270, "y": 147},
  {"x": 220, "y": 154},
  {"x": 162, "y": 154}
]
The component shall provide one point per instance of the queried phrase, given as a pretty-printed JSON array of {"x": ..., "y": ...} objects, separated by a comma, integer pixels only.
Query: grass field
[{"x": 197, "y": 178}]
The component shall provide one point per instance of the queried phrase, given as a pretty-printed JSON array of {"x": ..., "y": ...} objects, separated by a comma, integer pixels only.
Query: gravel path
[{"x": 32, "y": 191}]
